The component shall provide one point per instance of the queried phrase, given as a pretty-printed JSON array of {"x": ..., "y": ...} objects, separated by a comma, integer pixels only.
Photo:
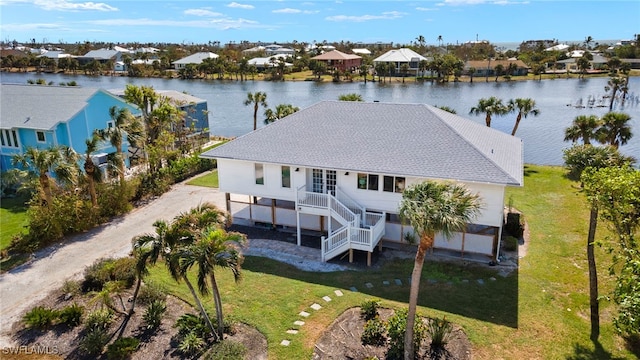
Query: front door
[{"x": 323, "y": 181}]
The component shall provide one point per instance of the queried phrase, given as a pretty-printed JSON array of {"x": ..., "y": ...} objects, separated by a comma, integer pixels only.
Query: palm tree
[
  {"x": 491, "y": 106},
  {"x": 214, "y": 248},
  {"x": 432, "y": 207},
  {"x": 258, "y": 98},
  {"x": 350, "y": 97},
  {"x": 115, "y": 134},
  {"x": 282, "y": 110},
  {"x": 615, "y": 129},
  {"x": 91, "y": 170},
  {"x": 524, "y": 108},
  {"x": 583, "y": 127},
  {"x": 59, "y": 160},
  {"x": 615, "y": 83}
]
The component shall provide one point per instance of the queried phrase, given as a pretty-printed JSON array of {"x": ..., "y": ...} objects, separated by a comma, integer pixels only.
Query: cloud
[
  {"x": 287, "y": 11},
  {"x": 479, "y": 2},
  {"x": 63, "y": 5},
  {"x": 390, "y": 15},
  {"x": 240, "y": 6},
  {"x": 218, "y": 23},
  {"x": 424, "y": 9},
  {"x": 202, "y": 12}
]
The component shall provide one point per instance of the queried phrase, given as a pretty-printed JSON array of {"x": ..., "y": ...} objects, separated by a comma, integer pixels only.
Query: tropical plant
[
  {"x": 257, "y": 99},
  {"x": 581, "y": 156},
  {"x": 71, "y": 315},
  {"x": 439, "y": 330},
  {"x": 397, "y": 333},
  {"x": 524, "y": 107},
  {"x": 615, "y": 129},
  {"x": 152, "y": 317},
  {"x": 369, "y": 309},
  {"x": 40, "y": 317},
  {"x": 122, "y": 348},
  {"x": 373, "y": 332},
  {"x": 432, "y": 207},
  {"x": 489, "y": 106},
  {"x": 282, "y": 110},
  {"x": 583, "y": 127},
  {"x": 93, "y": 174},
  {"x": 350, "y": 97},
  {"x": 115, "y": 134}
]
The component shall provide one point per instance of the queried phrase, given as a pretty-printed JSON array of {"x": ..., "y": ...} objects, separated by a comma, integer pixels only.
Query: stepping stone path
[
  {"x": 305, "y": 314},
  {"x": 326, "y": 298},
  {"x": 316, "y": 307}
]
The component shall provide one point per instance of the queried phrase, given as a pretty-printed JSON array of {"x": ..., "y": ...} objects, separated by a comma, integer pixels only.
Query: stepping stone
[
  {"x": 492, "y": 278},
  {"x": 353, "y": 289},
  {"x": 368, "y": 285},
  {"x": 465, "y": 281},
  {"x": 480, "y": 281},
  {"x": 398, "y": 282},
  {"x": 304, "y": 314},
  {"x": 316, "y": 307},
  {"x": 326, "y": 298},
  {"x": 285, "y": 342},
  {"x": 339, "y": 293},
  {"x": 298, "y": 323},
  {"x": 292, "y": 331},
  {"x": 385, "y": 283}
]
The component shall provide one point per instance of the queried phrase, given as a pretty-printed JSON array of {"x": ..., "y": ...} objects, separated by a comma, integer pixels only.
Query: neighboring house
[
  {"x": 597, "y": 65},
  {"x": 262, "y": 63},
  {"x": 340, "y": 167},
  {"x": 361, "y": 51},
  {"x": 487, "y": 67},
  {"x": 275, "y": 49},
  {"x": 102, "y": 56},
  {"x": 397, "y": 57},
  {"x": 55, "y": 55},
  {"x": 44, "y": 116},
  {"x": 195, "y": 59},
  {"x": 339, "y": 60}
]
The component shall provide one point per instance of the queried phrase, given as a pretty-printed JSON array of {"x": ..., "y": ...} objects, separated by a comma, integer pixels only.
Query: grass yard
[
  {"x": 13, "y": 218},
  {"x": 539, "y": 312},
  {"x": 208, "y": 179}
]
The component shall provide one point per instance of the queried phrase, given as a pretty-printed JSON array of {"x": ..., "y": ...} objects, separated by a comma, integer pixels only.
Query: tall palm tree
[
  {"x": 115, "y": 135},
  {"x": 432, "y": 207},
  {"x": 214, "y": 248},
  {"x": 524, "y": 108},
  {"x": 91, "y": 170},
  {"x": 489, "y": 106},
  {"x": 59, "y": 160},
  {"x": 615, "y": 83},
  {"x": 615, "y": 129},
  {"x": 282, "y": 110},
  {"x": 583, "y": 128},
  {"x": 258, "y": 98}
]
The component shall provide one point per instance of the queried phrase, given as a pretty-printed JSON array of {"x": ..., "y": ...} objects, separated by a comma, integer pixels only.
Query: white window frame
[
  {"x": 259, "y": 170},
  {"x": 44, "y": 137},
  {"x": 285, "y": 170},
  {"x": 10, "y": 138}
]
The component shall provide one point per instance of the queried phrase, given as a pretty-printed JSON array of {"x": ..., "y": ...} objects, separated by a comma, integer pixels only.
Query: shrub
[
  {"x": 71, "y": 315},
  {"x": 99, "y": 319},
  {"x": 153, "y": 315},
  {"x": 115, "y": 199},
  {"x": 396, "y": 328},
  {"x": 122, "y": 348},
  {"x": 40, "y": 317},
  {"x": 439, "y": 331},
  {"x": 150, "y": 292},
  {"x": 105, "y": 270},
  {"x": 191, "y": 344},
  {"x": 373, "y": 333},
  {"x": 189, "y": 323},
  {"x": 514, "y": 225},
  {"x": 369, "y": 309},
  {"x": 510, "y": 243},
  {"x": 227, "y": 350},
  {"x": 72, "y": 287},
  {"x": 94, "y": 341}
]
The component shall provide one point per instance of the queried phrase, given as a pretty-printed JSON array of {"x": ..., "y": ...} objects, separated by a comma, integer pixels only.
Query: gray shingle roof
[
  {"x": 43, "y": 106},
  {"x": 396, "y": 139}
]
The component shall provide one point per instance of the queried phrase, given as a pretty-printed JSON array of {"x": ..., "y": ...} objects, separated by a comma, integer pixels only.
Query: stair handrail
[
  {"x": 348, "y": 201},
  {"x": 337, "y": 207}
]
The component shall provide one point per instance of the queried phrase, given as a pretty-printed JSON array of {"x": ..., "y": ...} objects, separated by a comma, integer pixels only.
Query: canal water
[{"x": 542, "y": 135}]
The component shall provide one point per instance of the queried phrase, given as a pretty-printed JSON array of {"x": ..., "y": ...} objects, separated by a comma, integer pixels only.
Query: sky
[{"x": 399, "y": 21}]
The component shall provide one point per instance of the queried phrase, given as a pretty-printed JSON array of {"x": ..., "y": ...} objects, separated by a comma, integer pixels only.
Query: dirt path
[{"x": 22, "y": 287}]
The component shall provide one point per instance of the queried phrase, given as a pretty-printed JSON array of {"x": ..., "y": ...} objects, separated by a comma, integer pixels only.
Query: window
[
  {"x": 393, "y": 184},
  {"x": 373, "y": 182},
  {"x": 362, "y": 181},
  {"x": 40, "y": 136},
  {"x": 368, "y": 181},
  {"x": 286, "y": 176},
  {"x": 9, "y": 138},
  {"x": 259, "y": 171},
  {"x": 111, "y": 124}
]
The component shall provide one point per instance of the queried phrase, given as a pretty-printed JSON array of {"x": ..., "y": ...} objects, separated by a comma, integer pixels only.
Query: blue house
[{"x": 45, "y": 116}]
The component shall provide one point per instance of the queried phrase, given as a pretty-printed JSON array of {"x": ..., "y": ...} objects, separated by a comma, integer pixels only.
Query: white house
[
  {"x": 397, "y": 57},
  {"x": 340, "y": 168},
  {"x": 196, "y": 59}
]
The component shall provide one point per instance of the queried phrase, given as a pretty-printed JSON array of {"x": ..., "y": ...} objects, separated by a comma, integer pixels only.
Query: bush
[
  {"x": 71, "y": 315},
  {"x": 369, "y": 309},
  {"x": 94, "y": 341},
  {"x": 514, "y": 225},
  {"x": 72, "y": 287},
  {"x": 191, "y": 344},
  {"x": 439, "y": 331},
  {"x": 373, "y": 333},
  {"x": 396, "y": 328},
  {"x": 153, "y": 315},
  {"x": 40, "y": 317},
  {"x": 99, "y": 319},
  {"x": 151, "y": 292},
  {"x": 510, "y": 243},
  {"x": 105, "y": 270},
  {"x": 227, "y": 350},
  {"x": 189, "y": 323},
  {"x": 122, "y": 348},
  {"x": 114, "y": 199}
]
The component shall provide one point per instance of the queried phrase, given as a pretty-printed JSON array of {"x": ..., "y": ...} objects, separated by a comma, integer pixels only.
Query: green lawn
[
  {"x": 209, "y": 179},
  {"x": 13, "y": 218},
  {"x": 539, "y": 312}
]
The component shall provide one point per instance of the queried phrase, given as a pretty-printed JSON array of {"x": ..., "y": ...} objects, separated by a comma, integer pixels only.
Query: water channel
[{"x": 542, "y": 135}]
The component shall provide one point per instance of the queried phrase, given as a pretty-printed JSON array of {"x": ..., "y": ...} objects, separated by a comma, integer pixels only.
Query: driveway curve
[{"x": 25, "y": 285}]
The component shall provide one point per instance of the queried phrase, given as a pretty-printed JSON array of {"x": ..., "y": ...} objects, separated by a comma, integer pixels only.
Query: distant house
[
  {"x": 195, "y": 59},
  {"x": 262, "y": 63},
  {"x": 275, "y": 49},
  {"x": 44, "y": 116},
  {"x": 345, "y": 178},
  {"x": 397, "y": 57},
  {"x": 361, "y": 51},
  {"x": 596, "y": 65},
  {"x": 339, "y": 60},
  {"x": 102, "y": 56},
  {"x": 487, "y": 67}
]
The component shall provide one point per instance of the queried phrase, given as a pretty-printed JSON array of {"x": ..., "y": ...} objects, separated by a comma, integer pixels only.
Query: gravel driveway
[{"x": 22, "y": 287}]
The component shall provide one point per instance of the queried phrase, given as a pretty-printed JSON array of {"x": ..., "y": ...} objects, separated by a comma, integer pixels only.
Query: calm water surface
[{"x": 542, "y": 135}]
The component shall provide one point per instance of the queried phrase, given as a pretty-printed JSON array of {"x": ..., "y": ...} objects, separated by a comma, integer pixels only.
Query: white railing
[
  {"x": 336, "y": 243},
  {"x": 350, "y": 203},
  {"x": 342, "y": 211},
  {"x": 312, "y": 199}
]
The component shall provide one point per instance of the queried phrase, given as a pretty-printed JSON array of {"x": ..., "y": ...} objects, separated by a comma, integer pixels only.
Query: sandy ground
[{"x": 24, "y": 286}]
